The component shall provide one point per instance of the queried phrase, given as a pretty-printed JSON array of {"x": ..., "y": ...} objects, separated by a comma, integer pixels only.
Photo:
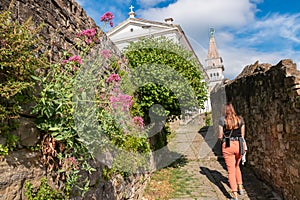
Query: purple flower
[
  {"x": 138, "y": 121},
  {"x": 76, "y": 59},
  {"x": 108, "y": 16},
  {"x": 88, "y": 41},
  {"x": 105, "y": 53},
  {"x": 70, "y": 163},
  {"x": 90, "y": 35},
  {"x": 113, "y": 77},
  {"x": 89, "y": 32},
  {"x": 122, "y": 101}
]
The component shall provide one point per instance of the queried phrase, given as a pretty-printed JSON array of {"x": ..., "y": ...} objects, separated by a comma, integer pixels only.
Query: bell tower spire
[
  {"x": 214, "y": 63},
  {"x": 212, "y": 50}
]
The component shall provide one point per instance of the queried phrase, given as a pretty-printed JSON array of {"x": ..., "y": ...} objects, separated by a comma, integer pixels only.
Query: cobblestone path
[{"x": 208, "y": 168}]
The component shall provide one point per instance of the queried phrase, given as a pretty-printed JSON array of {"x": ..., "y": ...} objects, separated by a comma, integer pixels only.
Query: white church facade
[{"x": 133, "y": 29}]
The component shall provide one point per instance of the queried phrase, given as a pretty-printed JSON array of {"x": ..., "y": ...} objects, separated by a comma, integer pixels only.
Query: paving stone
[{"x": 209, "y": 170}]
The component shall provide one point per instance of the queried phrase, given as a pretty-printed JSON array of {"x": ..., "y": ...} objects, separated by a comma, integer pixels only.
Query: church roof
[{"x": 157, "y": 28}]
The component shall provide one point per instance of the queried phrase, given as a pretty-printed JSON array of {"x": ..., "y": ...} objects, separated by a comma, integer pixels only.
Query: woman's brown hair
[{"x": 231, "y": 119}]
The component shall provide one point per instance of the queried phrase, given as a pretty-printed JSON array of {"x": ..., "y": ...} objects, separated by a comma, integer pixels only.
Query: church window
[{"x": 131, "y": 30}]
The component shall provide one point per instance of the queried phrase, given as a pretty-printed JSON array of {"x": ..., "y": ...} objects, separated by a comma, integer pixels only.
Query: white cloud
[
  {"x": 241, "y": 37},
  {"x": 202, "y": 12},
  {"x": 236, "y": 59},
  {"x": 283, "y": 27}
]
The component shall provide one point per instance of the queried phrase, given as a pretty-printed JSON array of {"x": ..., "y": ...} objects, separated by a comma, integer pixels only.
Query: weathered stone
[
  {"x": 297, "y": 190},
  {"x": 17, "y": 168},
  {"x": 279, "y": 128},
  {"x": 27, "y": 132},
  {"x": 294, "y": 171}
]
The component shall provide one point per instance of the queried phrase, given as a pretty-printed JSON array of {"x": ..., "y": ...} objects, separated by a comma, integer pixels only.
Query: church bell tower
[{"x": 214, "y": 63}]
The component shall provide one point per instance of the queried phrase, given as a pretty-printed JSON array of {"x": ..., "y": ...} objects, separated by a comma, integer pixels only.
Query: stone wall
[
  {"x": 24, "y": 165},
  {"x": 63, "y": 19},
  {"x": 268, "y": 97}
]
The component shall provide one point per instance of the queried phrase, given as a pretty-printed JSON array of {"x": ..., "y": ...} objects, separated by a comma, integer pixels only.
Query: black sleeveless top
[{"x": 236, "y": 132}]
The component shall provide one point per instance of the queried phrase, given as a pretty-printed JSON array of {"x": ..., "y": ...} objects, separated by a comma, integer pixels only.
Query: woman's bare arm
[
  {"x": 220, "y": 132},
  {"x": 243, "y": 130}
]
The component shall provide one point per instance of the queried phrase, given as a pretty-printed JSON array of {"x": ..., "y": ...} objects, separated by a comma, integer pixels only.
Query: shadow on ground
[
  {"x": 218, "y": 182},
  {"x": 253, "y": 186}
]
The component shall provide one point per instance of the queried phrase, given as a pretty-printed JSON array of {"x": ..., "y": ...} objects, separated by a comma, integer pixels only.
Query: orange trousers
[{"x": 232, "y": 158}]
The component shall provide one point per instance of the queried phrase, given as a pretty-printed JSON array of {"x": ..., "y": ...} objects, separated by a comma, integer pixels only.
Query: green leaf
[
  {"x": 35, "y": 78},
  {"x": 54, "y": 128}
]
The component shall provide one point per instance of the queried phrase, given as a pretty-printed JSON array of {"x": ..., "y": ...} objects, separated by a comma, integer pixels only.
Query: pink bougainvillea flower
[
  {"x": 76, "y": 59},
  {"x": 70, "y": 163},
  {"x": 138, "y": 121},
  {"x": 108, "y": 16},
  {"x": 89, "y": 32},
  {"x": 122, "y": 101},
  {"x": 73, "y": 160},
  {"x": 113, "y": 77},
  {"x": 105, "y": 53},
  {"x": 126, "y": 100},
  {"x": 111, "y": 24},
  {"x": 90, "y": 35},
  {"x": 88, "y": 41}
]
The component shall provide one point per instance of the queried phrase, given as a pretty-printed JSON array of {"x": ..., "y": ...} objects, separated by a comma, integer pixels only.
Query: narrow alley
[{"x": 208, "y": 169}]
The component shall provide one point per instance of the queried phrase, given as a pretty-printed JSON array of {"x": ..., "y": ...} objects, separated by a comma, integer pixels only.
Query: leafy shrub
[
  {"x": 84, "y": 112},
  {"x": 43, "y": 192},
  {"x": 166, "y": 74},
  {"x": 20, "y": 58}
]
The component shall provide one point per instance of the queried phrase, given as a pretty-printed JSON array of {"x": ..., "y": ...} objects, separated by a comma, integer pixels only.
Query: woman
[{"x": 231, "y": 133}]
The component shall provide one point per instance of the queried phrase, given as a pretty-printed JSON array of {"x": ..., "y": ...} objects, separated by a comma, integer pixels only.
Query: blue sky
[{"x": 245, "y": 30}]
